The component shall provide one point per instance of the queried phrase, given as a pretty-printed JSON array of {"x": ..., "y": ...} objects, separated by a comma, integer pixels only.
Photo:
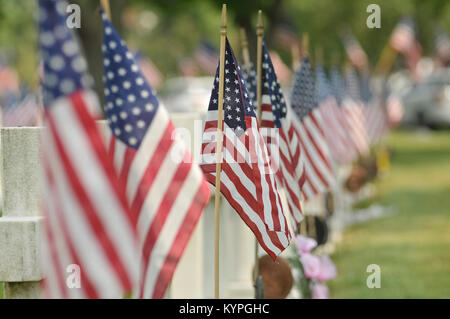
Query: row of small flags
[{"x": 123, "y": 205}]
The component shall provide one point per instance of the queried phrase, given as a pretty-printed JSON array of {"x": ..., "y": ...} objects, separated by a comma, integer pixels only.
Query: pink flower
[
  {"x": 319, "y": 291},
  {"x": 327, "y": 269},
  {"x": 311, "y": 265},
  {"x": 305, "y": 244}
]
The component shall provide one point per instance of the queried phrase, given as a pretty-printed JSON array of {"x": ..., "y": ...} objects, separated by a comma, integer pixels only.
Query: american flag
[
  {"x": 206, "y": 57},
  {"x": 373, "y": 110},
  {"x": 335, "y": 125},
  {"x": 276, "y": 124},
  {"x": 287, "y": 36},
  {"x": 27, "y": 112},
  {"x": 88, "y": 223},
  {"x": 354, "y": 51},
  {"x": 247, "y": 179},
  {"x": 149, "y": 70},
  {"x": 164, "y": 187},
  {"x": 337, "y": 84},
  {"x": 310, "y": 133},
  {"x": 354, "y": 112},
  {"x": 9, "y": 81},
  {"x": 250, "y": 82},
  {"x": 403, "y": 40},
  {"x": 394, "y": 107},
  {"x": 442, "y": 45},
  {"x": 283, "y": 72}
]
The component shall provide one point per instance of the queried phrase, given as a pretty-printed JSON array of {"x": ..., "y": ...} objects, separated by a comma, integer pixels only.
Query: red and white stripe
[
  {"x": 336, "y": 132},
  {"x": 319, "y": 175},
  {"x": 376, "y": 121},
  {"x": 403, "y": 40},
  {"x": 247, "y": 181},
  {"x": 395, "y": 112},
  {"x": 88, "y": 222},
  {"x": 356, "y": 124},
  {"x": 281, "y": 158},
  {"x": 25, "y": 113},
  {"x": 168, "y": 192}
]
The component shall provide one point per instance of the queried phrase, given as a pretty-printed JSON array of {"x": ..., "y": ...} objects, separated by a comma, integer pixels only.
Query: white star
[{"x": 136, "y": 111}]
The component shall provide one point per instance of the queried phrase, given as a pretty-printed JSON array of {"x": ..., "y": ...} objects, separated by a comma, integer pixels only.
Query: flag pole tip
[
  {"x": 260, "y": 20},
  {"x": 305, "y": 44},
  {"x": 224, "y": 16},
  {"x": 259, "y": 25}
]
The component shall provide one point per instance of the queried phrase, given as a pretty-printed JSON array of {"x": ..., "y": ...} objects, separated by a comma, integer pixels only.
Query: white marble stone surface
[
  {"x": 20, "y": 224},
  {"x": 19, "y": 254}
]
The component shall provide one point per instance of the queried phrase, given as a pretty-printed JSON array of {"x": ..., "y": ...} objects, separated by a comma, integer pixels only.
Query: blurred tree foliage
[
  {"x": 169, "y": 30},
  {"x": 18, "y": 38}
]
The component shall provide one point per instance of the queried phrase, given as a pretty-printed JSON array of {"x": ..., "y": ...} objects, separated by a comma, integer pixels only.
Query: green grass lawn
[{"x": 412, "y": 247}]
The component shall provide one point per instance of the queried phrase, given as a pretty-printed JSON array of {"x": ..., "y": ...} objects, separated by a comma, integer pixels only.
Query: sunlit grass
[{"x": 412, "y": 246}]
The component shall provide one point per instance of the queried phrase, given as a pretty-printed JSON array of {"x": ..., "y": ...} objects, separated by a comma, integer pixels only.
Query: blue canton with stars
[
  {"x": 304, "y": 98},
  {"x": 366, "y": 92},
  {"x": 271, "y": 87},
  {"x": 130, "y": 102},
  {"x": 236, "y": 102},
  {"x": 64, "y": 67},
  {"x": 250, "y": 81},
  {"x": 323, "y": 86},
  {"x": 352, "y": 81},
  {"x": 338, "y": 85}
]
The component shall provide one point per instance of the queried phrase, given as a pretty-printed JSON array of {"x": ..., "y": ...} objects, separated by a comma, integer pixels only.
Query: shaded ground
[{"x": 412, "y": 247}]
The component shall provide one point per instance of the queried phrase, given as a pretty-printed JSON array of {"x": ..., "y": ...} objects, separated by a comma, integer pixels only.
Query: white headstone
[{"x": 20, "y": 224}]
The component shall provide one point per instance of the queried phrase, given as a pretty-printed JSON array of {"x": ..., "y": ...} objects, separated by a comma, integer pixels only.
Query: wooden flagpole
[
  {"x": 107, "y": 8},
  {"x": 305, "y": 45},
  {"x": 259, "y": 47},
  {"x": 223, "y": 35},
  {"x": 295, "y": 57},
  {"x": 386, "y": 60},
  {"x": 245, "y": 53}
]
